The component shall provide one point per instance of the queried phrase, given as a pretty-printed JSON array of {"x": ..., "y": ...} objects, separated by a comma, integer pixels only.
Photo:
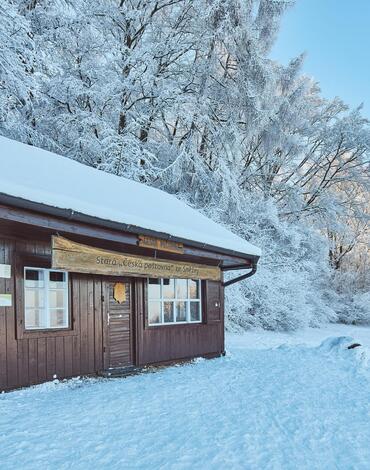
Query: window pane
[
  {"x": 181, "y": 289},
  {"x": 58, "y": 318},
  {"x": 57, "y": 279},
  {"x": 168, "y": 288},
  {"x": 57, "y": 298},
  {"x": 180, "y": 311},
  {"x": 194, "y": 311},
  {"x": 168, "y": 312},
  {"x": 34, "y": 298},
  {"x": 154, "y": 312},
  {"x": 34, "y": 278},
  {"x": 34, "y": 318},
  {"x": 154, "y": 288},
  {"x": 194, "y": 289},
  {"x": 45, "y": 299}
]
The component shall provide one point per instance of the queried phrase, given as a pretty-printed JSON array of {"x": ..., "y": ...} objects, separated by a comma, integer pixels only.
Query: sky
[{"x": 335, "y": 34}]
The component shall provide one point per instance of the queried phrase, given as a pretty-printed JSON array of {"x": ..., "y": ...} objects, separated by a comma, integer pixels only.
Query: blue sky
[{"x": 335, "y": 34}]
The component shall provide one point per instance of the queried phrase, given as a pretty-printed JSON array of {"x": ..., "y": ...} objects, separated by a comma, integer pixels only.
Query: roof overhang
[{"x": 72, "y": 215}]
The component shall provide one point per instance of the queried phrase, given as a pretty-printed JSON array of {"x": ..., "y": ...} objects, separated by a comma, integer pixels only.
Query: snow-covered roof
[{"x": 43, "y": 177}]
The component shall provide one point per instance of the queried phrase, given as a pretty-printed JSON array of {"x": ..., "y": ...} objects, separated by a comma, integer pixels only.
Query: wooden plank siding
[
  {"x": 157, "y": 344},
  {"x": 36, "y": 357},
  {"x": 31, "y": 357}
]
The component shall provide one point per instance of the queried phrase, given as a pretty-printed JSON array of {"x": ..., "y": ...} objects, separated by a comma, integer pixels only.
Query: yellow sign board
[
  {"x": 119, "y": 292},
  {"x": 76, "y": 257}
]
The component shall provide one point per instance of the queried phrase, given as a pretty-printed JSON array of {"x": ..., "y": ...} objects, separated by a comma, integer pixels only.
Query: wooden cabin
[{"x": 103, "y": 275}]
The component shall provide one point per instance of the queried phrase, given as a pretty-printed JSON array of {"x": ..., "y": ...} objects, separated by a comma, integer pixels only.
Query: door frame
[{"x": 106, "y": 280}]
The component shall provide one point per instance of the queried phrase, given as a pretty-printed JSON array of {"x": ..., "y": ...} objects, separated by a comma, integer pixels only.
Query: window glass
[
  {"x": 58, "y": 318},
  {"x": 180, "y": 311},
  {"x": 154, "y": 288},
  {"x": 34, "y": 298},
  {"x": 168, "y": 312},
  {"x": 181, "y": 289},
  {"x": 34, "y": 278},
  {"x": 34, "y": 318},
  {"x": 172, "y": 301},
  {"x": 194, "y": 311},
  {"x": 45, "y": 299},
  {"x": 193, "y": 289},
  {"x": 154, "y": 311},
  {"x": 57, "y": 279},
  {"x": 56, "y": 298},
  {"x": 168, "y": 288}
]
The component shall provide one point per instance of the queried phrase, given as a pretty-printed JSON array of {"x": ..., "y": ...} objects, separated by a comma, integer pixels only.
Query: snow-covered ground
[{"x": 276, "y": 401}]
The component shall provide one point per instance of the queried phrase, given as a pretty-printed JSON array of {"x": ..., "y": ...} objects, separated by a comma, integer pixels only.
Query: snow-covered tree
[
  {"x": 18, "y": 87},
  {"x": 182, "y": 95}
]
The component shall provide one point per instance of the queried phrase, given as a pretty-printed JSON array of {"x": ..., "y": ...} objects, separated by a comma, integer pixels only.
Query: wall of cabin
[
  {"x": 28, "y": 358},
  {"x": 35, "y": 357},
  {"x": 176, "y": 342}
]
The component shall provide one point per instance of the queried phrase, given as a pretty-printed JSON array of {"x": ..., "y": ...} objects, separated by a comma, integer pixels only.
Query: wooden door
[{"x": 119, "y": 323}]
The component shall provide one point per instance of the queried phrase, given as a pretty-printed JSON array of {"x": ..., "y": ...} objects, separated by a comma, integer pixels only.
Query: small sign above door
[{"x": 159, "y": 244}]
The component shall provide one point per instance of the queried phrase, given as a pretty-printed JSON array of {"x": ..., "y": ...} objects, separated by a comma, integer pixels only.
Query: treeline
[{"x": 182, "y": 95}]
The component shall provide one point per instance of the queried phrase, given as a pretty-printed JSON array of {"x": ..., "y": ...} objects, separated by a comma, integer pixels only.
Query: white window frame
[
  {"x": 187, "y": 301},
  {"x": 46, "y": 289}
]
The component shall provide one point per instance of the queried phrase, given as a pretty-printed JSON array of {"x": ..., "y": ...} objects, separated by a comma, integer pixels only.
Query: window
[
  {"x": 45, "y": 299},
  {"x": 173, "y": 301}
]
